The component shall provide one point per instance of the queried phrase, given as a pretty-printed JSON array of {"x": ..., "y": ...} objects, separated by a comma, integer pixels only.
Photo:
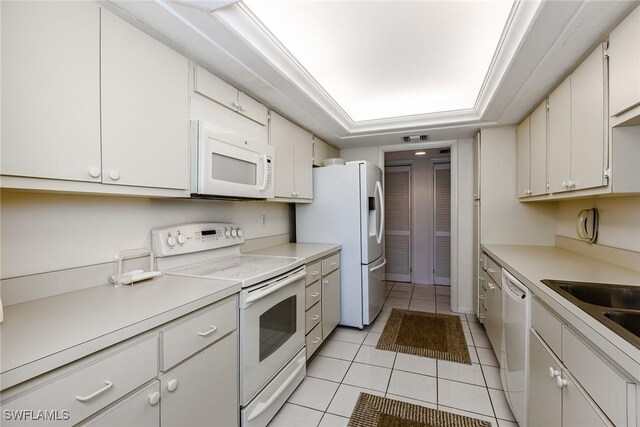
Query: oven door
[
  {"x": 271, "y": 330},
  {"x": 230, "y": 164}
]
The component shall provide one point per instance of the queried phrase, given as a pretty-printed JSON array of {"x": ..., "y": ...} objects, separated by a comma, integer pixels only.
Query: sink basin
[
  {"x": 612, "y": 296},
  {"x": 615, "y": 306},
  {"x": 628, "y": 320}
]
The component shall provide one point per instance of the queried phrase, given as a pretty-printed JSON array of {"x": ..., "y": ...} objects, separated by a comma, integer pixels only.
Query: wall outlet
[{"x": 263, "y": 221}]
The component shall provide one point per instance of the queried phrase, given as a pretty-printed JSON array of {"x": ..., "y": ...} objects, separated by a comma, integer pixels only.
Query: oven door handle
[
  {"x": 257, "y": 295},
  {"x": 263, "y": 406}
]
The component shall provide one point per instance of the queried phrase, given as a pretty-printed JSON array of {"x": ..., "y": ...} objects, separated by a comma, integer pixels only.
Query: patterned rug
[
  {"x": 439, "y": 336},
  {"x": 377, "y": 411}
]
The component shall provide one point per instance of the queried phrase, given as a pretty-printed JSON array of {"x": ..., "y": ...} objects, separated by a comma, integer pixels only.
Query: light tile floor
[{"x": 349, "y": 363}]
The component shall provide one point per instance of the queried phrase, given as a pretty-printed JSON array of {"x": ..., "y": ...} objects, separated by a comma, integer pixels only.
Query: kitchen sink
[
  {"x": 615, "y": 306},
  {"x": 604, "y": 295}
]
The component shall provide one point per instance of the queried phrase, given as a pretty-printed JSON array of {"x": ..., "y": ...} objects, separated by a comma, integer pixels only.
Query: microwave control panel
[{"x": 195, "y": 237}]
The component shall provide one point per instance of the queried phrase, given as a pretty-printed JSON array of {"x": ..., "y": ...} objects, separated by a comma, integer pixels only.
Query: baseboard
[{"x": 620, "y": 257}]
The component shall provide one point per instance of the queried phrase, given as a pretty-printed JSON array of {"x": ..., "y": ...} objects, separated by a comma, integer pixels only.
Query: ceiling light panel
[{"x": 386, "y": 59}]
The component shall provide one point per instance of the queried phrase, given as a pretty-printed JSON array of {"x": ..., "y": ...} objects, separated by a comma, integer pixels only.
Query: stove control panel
[{"x": 194, "y": 237}]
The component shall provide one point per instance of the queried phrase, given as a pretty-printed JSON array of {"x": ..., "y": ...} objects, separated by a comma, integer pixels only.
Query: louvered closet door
[
  {"x": 397, "y": 185},
  {"x": 442, "y": 224}
]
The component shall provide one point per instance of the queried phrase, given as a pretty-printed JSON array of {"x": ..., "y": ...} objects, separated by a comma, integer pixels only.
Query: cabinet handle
[
  {"x": 333, "y": 263},
  {"x": 94, "y": 172},
  {"x": 154, "y": 398},
  {"x": 317, "y": 340},
  {"x": 314, "y": 273},
  {"x": 108, "y": 385},
  {"x": 235, "y": 104},
  {"x": 481, "y": 316},
  {"x": 553, "y": 372},
  {"x": 560, "y": 382},
  {"x": 241, "y": 108},
  {"x": 209, "y": 332},
  {"x": 172, "y": 385},
  {"x": 325, "y": 281},
  {"x": 315, "y": 295},
  {"x": 482, "y": 297},
  {"x": 491, "y": 286},
  {"x": 114, "y": 175},
  {"x": 491, "y": 270},
  {"x": 316, "y": 317},
  {"x": 481, "y": 279}
]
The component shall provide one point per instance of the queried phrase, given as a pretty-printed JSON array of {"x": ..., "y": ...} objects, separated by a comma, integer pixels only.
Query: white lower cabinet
[
  {"x": 204, "y": 389},
  {"x": 323, "y": 301},
  {"x": 142, "y": 409}
]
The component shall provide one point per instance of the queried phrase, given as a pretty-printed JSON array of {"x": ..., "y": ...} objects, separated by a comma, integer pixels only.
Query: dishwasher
[{"x": 516, "y": 318}]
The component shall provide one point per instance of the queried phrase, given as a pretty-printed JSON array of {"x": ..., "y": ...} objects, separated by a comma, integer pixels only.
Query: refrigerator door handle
[
  {"x": 381, "y": 231},
  {"x": 377, "y": 267}
]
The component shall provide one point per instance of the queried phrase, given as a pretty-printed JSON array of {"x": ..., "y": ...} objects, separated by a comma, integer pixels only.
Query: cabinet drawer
[
  {"x": 196, "y": 331},
  {"x": 93, "y": 386},
  {"x": 331, "y": 263},
  {"x": 314, "y": 339},
  {"x": 206, "y": 84},
  {"x": 606, "y": 386},
  {"x": 313, "y": 294},
  {"x": 313, "y": 317},
  {"x": 135, "y": 410},
  {"x": 313, "y": 272},
  {"x": 548, "y": 326},
  {"x": 494, "y": 270}
]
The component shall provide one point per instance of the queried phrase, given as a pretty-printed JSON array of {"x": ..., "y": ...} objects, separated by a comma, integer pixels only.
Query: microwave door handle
[{"x": 264, "y": 172}]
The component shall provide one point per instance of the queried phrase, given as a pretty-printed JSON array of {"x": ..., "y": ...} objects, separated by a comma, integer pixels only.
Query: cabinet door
[
  {"x": 538, "y": 132},
  {"x": 624, "y": 64},
  {"x": 214, "y": 88},
  {"x": 281, "y": 138},
  {"x": 545, "y": 397},
  {"x": 577, "y": 409},
  {"x": 140, "y": 410},
  {"x": 252, "y": 109},
  {"x": 559, "y": 143},
  {"x": 144, "y": 109},
  {"x": 330, "y": 302},
  {"x": 332, "y": 152},
  {"x": 206, "y": 388},
  {"x": 523, "y": 150},
  {"x": 319, "y": 151},
  {"x": 493, "y": 323},
  {"x": 303, "y": 164},
  {"x": 588, "y": 131},
  {"x": 51, "y": 90}
]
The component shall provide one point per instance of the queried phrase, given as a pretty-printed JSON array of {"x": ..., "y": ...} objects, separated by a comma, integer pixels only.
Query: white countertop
[
  {"x": 309, "y": 251},
  {"x": 41, "y": 335},
  {"x": 532, "y": 264}
]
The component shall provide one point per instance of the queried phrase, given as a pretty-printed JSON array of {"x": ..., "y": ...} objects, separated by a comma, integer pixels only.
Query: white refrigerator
[{"x": 348, "y": 209}]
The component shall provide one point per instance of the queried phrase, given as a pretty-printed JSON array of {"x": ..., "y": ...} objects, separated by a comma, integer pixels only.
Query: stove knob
[
  {"x": 240, "y": 233},
  {"x": 181, "y": 239},
  {"x": 234, "y": 233},
  {"x": 171, "y": 241},
  {"x": 227, "y": 233}
]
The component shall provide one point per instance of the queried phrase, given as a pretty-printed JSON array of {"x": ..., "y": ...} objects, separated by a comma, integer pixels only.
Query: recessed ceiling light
[{"x": 420, "y": 153}]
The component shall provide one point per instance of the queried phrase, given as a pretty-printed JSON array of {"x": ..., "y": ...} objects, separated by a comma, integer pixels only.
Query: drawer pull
[
  {"x": 333, "y": 263},
  {"x": 553, "y": 372},
  {"x": 314, "y": 273},
  {"x": 172, "y": 385},
  {"x": 317, "y": 340},
  {"x": 154, "y": 398},
  {"x": 560, "y": 382},
  {"x": 482, "y": 297},
  {"x": 325, "y": 281},
  {"x": 315, "y": 295},
  {"x": 492, "y": 286},
  {"x": 209, "y": 332},
  {"x": 316, "y": 317},
  {"x": 491, "y": 270},
  {"x": 108, "y": 385}
]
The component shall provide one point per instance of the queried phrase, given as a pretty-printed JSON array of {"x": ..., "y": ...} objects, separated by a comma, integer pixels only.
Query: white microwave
[{"x": 227, "y": 163}]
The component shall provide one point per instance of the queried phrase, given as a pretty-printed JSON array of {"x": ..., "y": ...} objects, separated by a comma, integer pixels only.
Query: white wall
[
  {"x": 46, "y": 232},
  {"x": 367, "y": 153},
  {"x": 619, "y": 220},
  {"x": 503, "y": 219}
]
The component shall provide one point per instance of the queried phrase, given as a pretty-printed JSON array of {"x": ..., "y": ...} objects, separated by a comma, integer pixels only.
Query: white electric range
[{"x": 272, "y": 307}]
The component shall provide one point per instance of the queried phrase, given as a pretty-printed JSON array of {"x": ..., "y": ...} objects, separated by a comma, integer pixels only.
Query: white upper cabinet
[
  {"x": 51, "y": 90},
  {"x": 624, "y": 64},
  {"x": 323, "y": 151},
  {"x": 559, "y": 147},
  {"x": 589, "y": 135},
  {"x": 523, "y": 153},
  {"x": 294, "y": 159},
  {"x": 145, "y": 126},
  {"x": 216, "y": 89},
  {"x": 538, "y": 135}
]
